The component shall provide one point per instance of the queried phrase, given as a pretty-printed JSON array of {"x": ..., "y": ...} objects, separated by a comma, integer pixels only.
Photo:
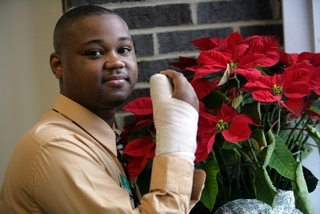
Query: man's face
[{"x": 99, "y": 68}]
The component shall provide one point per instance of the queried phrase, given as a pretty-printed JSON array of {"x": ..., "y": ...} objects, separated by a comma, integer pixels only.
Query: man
[{"x": 67, "y": 162}]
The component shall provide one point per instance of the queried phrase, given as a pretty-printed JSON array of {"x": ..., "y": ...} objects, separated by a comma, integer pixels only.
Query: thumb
[{"x": 160, "y": 89}]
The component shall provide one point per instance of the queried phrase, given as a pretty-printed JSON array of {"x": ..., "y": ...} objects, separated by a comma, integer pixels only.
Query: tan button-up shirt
[{"x": 67, "y": 164}]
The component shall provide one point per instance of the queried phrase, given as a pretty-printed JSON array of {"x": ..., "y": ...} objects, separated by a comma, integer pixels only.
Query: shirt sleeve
[
  {"x": 175, "y": 186},
  {"x": 69, "y": 179}
]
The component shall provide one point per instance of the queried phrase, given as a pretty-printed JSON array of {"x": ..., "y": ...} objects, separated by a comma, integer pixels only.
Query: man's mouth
[{"x": 115, "y": 78}]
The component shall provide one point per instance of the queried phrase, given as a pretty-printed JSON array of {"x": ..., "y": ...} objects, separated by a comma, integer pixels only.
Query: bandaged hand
[{"x": 175, "y": 112}]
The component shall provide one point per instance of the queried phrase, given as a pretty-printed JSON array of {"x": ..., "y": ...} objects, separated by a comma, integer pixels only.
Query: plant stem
[
  {"x": 236, "y": 170},
  {"x": 289, "y": 141},
  {"x": 279, "y": 119}
]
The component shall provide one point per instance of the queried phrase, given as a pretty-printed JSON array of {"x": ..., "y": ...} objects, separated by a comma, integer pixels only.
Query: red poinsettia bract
[
  {"x": 233, "y": 126},
  {"x": 141, "y": 149},
  {"x": 139, "y": 152},
  {"x": 235, "y": 53},
  {"x": 288, "y": 88},
  {"x": 205, "y": 134}
]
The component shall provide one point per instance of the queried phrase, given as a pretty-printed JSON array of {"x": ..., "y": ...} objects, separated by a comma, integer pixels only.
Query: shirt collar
[{"x": 89, "y": 121}]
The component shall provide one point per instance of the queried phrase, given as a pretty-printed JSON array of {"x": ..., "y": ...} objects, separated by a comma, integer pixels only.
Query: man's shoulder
[{"x": 50, "y": 126}]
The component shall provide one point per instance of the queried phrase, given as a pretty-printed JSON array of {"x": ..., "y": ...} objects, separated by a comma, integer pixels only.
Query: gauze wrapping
[{"x": 175, "y": 121}]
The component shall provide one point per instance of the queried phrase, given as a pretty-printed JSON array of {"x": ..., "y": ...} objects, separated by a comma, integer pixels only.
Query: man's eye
[
  {"x": 124, "y": 50},
  {"x": 95, "y": 53}
]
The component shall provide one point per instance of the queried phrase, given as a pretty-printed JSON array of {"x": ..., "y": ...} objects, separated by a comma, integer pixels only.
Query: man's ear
[{"x": 56, "y": 66}]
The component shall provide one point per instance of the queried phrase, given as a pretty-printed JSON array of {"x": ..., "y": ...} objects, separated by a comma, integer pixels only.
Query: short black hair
[{"x": 74, "y": 15}]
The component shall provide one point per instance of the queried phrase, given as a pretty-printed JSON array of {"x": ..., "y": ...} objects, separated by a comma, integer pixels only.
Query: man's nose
[{"x": 113, "y": 60}]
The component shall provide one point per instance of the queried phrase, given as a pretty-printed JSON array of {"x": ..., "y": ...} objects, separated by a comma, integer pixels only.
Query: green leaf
[
  {"x": 226, "y": 75},
  {"x": 212, "y": 100},
  {"x": 258, "y": 139},
  {"x": 264, "y": 70},
  {"x": 267, "y": 153},
  {"x": 300, "y": 189},
  {"x": 265, "y": 191},
  {"x": 314, "y": 134},
  {"x": 253, "y": 110},
  {"x": 139, "y": 133},
  {"x": 307, "y": 149},
  {"x": 282, "y": 160},
  {"x": 236, "y": 101},
  {"x": 210, "y": 190},
  {"x": 284, "y": 134},
  {"x": 230, "y": 146},
  {"x": 271, "y": 139},
  {"x": 315, "y": 106},
  {"x": 247, "y": 98}
]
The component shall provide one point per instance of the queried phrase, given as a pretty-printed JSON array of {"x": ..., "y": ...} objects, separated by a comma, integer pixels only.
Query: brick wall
[{"x": 162, "y": 30}]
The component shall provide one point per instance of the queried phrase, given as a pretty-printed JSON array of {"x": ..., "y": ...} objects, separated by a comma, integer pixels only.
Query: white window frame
[
  {"x": 301, "y": 21},
  {"x": 301, "y": 25}
]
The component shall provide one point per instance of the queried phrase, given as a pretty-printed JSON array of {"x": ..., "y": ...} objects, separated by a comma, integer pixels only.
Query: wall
[{"x": 27, "y": 86}]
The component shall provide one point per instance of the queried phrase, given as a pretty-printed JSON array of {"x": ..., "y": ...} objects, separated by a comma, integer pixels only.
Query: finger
[
  {"x": 178, "y": 80},
  {"x": 182, "y": 88},
  {"x": 174, "y": 76}
]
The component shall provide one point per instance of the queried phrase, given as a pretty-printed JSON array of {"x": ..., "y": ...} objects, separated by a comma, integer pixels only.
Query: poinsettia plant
[{"x": 258, "y": 107}]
